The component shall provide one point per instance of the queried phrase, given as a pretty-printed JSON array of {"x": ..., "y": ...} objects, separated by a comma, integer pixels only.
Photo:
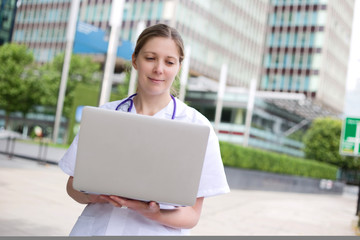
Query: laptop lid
[{"x": 139, "y": 157}]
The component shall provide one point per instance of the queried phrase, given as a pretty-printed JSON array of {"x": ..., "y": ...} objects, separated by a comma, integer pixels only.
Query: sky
[{"x": 352, "y": 100}]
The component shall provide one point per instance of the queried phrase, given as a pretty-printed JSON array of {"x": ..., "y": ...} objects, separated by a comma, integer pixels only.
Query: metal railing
[{"x": 14, "y": 146}]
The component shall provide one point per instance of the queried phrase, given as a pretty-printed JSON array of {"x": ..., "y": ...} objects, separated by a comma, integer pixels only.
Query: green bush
[
  {"x": 255, "y": 159},
  {"x": 322, "y": 143}
]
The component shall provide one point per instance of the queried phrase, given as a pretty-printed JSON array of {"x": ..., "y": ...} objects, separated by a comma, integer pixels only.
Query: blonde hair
[{"x": 160, "y": 30}]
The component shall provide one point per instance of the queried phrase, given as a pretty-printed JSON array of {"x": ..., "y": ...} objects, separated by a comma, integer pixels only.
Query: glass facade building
[
  {"x": 41, "y": 25},
  {"x": 7, "y": 16},
  {"x": 308, "y": 49},
  {"x": 224, "y": 32},
  {"x": 235, "y": 38}
]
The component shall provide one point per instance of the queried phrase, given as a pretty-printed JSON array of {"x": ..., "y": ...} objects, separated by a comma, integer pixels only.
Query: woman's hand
[
  {"x": 81, "y": 197},
  {"x": 148, "y": 209},
  {"x": 94, "y": 198},
  {"x": 181, "y": 217}
]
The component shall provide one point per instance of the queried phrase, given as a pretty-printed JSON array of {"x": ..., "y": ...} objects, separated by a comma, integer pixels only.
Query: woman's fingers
[
  {"x": 136, "y": 205},
  {"x": 94, "y": 198},
  {"x": 145, "y": 208},
  {"x": 110, "y": 200},
  {"x": 154, "y": 207}
]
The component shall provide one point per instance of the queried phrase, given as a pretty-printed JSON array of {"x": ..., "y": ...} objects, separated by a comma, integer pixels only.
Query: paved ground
[{"x": 33, "y": 202}]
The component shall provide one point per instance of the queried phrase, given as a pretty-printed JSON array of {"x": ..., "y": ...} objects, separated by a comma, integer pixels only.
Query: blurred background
[{"x": 279, "y": 79}]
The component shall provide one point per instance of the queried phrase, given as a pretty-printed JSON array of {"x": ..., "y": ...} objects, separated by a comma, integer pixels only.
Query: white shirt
[{"x": 105, "y": 219}]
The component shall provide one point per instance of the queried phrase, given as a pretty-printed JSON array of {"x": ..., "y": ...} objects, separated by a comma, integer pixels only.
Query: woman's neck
[{"x": 150, "y": 104}]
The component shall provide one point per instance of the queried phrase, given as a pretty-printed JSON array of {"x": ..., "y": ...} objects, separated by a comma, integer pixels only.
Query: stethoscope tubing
[{"x": 132, "y": 103}]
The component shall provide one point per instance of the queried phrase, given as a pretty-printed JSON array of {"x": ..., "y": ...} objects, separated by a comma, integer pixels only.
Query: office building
[
  {"x": 7, "y": 16},
  {"x": 308, "y": 46},
  {"x": 235, "y": 38},
  {"x": 41, "y": 25}
]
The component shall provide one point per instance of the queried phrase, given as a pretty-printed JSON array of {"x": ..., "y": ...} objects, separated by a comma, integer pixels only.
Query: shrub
[{"x": 255, "y": 159}]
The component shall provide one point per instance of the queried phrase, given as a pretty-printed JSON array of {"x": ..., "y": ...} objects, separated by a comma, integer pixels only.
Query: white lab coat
[{"x": 104, "y": 219}]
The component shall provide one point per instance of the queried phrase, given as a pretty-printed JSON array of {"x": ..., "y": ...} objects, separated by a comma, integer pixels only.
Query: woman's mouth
[{"x": 155, "y": 80}]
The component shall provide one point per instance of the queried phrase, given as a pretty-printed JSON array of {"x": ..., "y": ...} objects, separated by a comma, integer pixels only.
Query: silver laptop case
[{"x": 139, "y": 157}]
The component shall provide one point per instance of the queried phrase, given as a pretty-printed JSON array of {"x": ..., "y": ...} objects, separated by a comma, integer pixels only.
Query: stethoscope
[{"x": 132, "y": 103}]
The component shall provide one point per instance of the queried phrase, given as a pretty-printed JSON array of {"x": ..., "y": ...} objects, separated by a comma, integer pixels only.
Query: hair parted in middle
[{"x": 160, "y": 30}]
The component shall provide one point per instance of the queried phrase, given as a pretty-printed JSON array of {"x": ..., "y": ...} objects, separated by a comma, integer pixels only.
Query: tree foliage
[
  {"x": 82, "y": 69},
  {"x": 24, "y": 85},
  {"x": 19, "y": 90},
  {"x": 322, "y": 142}
]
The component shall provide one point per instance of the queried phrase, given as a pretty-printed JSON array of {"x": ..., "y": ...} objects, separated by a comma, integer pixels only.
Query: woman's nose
[{"x": 158, "y": 68}]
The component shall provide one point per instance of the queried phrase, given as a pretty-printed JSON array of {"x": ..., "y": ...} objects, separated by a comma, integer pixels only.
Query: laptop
[{"x": 139, "y": 157}]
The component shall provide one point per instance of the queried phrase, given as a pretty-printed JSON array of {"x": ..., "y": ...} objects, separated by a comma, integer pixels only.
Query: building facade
[
  {"x": 41, "y": 25},
  {"x": 7, "y": 17},
  {"x": 235, "y": 38},
  {"x": 308, "y": 44}
]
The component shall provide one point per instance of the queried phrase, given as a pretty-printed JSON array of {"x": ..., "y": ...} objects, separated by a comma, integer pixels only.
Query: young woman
[{"x": 157, "y": 58}]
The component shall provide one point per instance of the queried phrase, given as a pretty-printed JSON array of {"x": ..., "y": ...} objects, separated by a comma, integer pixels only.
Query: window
[
  {"x": 309, "y": 60},
  {"x": 226, "y": 115},
  {"x": 301, "y": 57},
  {"x": 293, "y": 60}
]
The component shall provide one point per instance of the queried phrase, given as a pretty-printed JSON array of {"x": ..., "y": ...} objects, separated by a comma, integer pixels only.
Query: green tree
[
  {"x": 322, "y": 142},
  {"x": 18, "y": 90},
  {"x": 82, "y": 69}
]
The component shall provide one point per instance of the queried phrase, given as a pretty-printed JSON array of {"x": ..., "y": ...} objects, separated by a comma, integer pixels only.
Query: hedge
[{"x": 249, "y": 158}]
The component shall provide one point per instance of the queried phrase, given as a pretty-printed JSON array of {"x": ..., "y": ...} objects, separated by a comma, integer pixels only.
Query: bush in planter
[{"x": 255, "y": 159}]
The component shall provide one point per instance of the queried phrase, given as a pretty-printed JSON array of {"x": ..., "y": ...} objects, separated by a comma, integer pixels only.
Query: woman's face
[{"x": 157, "y": 64}]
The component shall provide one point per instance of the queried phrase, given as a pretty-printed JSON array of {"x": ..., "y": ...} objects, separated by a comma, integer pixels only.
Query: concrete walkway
[{"x": 33, "y": 202}]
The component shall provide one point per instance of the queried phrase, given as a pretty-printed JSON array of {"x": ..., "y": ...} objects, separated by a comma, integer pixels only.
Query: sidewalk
[{"x": 33, "y": 202}]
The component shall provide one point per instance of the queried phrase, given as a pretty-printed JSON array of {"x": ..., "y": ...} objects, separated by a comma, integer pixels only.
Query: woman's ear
[{"x": 133, "y": 61}]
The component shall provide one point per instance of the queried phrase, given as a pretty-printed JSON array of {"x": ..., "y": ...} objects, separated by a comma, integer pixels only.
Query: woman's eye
[
  {"x": 149, "y": 58},
  {"x": 170, "y": 63}
]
